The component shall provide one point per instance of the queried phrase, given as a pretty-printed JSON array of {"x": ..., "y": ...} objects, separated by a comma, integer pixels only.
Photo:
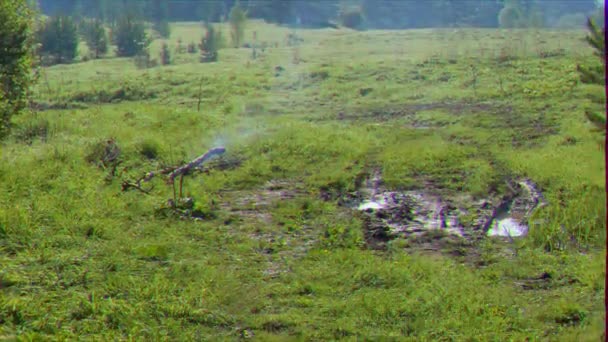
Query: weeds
[{"x": 33, "y": 129}]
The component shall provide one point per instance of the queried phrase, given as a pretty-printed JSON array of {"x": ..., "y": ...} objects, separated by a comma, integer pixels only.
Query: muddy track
[
  {"x": 410, "y": 110},
  {"x": 253, "y": 208}
]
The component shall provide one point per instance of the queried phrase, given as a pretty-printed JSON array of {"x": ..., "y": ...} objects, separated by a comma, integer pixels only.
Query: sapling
[{"x": 474, "y": 80}]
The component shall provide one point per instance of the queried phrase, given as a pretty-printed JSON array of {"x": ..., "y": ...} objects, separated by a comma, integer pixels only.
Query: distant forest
[{"x": 379, "y": 14}]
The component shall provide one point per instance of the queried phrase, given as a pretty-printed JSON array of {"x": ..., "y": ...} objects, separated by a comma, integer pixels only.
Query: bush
[
  {"x": 103, "y": 153},
  {"x": 351, "y": 18},
  {"x": 238, "y": 19},
  {"x": 58, "y": 39},
  {"x": 95, "y": 36},
  {"x": 179, "y": 47},
  {"x": 149, "y": 149},
  {"x": 32, "y": 129},
  {"x": 130, "y": 36},
  {"x": 143, "y": 61},
  {"x": 165, "y": 55},
  {"x": 191, "y": 48}
]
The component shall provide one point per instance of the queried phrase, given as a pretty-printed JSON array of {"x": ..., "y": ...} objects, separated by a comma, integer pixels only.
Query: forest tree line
[{"x": 376, "y": 14}]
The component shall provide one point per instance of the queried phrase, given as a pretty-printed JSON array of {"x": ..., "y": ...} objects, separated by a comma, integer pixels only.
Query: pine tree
[
  {"x": 95, "y": 36},
  {"x": 210, "y": 44},
  {"x": 595, "y": 74},
  {"x": 59, "y": 39},
  {"x": 130, "y": 36},
  {"x": 158, "y": 12},
  {"x": 595, "y": 39},
  {"x": 238, "y": 19},
  {"x": 165, "y": 54}
]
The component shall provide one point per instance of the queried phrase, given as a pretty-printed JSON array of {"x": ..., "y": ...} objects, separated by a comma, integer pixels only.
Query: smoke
[{"x": 238, "y": 136}]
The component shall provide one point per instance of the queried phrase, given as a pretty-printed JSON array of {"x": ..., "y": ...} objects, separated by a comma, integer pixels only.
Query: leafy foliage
[
  {"x": 15, "y": 60},
  {"x": 58, "y": 38}
]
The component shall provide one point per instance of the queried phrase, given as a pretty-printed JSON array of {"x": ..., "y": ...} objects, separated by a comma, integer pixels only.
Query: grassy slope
[{"x": 81, "y": 258}]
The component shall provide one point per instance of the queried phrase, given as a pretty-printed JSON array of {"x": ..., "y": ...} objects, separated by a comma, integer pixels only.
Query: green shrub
[
  {"x": 143, "y": 60},
  {"x": 191, "y": 48},
  {"x": 165, "y": 55},
  {"x": 149, "y": 149},
  {"x": 103, "y": 153},
  {"x": 32, "y": 129}
]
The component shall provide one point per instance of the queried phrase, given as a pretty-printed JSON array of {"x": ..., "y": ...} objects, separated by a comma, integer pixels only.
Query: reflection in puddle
[
  {"x": 507, "y": 227},
  {"x": 373, "y": 204}
]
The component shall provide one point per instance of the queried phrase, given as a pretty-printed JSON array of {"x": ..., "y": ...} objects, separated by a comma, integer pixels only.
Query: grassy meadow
[{"x": 271, "y": 259}]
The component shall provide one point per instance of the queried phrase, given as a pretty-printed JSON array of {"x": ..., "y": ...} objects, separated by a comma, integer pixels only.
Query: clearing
[{"x": 367, "y": 188}]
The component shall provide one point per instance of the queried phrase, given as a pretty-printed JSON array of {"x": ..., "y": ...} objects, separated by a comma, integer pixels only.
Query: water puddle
[
  {"x": 372, "y": 204},
  {"x": 392, "y": 214},
  {"x": 507, "y": 227}
]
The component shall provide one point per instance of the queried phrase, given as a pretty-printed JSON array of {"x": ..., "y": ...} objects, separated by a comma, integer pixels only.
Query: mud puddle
[{"x": 388, "y": 214}]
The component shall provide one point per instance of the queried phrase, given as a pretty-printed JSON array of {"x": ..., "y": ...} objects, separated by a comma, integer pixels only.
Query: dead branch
[
  {"x": 126, "y": 185},
  {"x": 164, "y": 171},
  {"x": 185, "y": 169},
  {"x": 173, "y": 172}
]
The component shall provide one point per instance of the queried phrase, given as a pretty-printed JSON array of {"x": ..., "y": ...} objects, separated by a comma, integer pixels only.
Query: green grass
[{"x": 465, "y": 109}]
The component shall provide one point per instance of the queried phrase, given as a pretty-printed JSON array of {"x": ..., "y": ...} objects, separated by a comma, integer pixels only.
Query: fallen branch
[
  {"x": 173, "y": 172},
  {"x": 126, "y": 185},
  {"x": 164, "y": 171},
  {"x": 185, "y": 169}
]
